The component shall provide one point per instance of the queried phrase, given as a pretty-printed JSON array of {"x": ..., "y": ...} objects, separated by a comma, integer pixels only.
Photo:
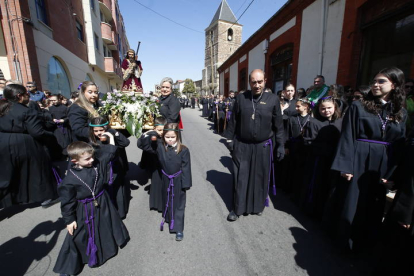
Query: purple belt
[
  {"x": 271, "y": 169},
  {"x": 60, "y": 126},
  {"x": 111, "y": 174},
  {"x": 170, "y": 189},
  {"x": 374, "y": 142},
  {"x": 228, "y": 115},
  {"x": 90, "y": 224},
  {"x": 57, "y": 176}
]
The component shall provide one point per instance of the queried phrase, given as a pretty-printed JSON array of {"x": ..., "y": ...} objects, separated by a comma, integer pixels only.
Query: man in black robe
[{"x": 255, "y": 129}]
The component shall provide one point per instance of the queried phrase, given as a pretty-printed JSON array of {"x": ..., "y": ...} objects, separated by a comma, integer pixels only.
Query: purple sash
[
  {"x": 90, "y": 224},
  {"x": 170, "y": 189},
  {"x": 374, "y": 142},
  {"x": 271, "y": 170}
]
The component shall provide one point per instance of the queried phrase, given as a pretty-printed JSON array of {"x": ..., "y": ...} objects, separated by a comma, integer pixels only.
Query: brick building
[
  {"x": 347, "y": 41},
  {"x": 60, "y": 44},
  {"x": 223, "y": 37}
]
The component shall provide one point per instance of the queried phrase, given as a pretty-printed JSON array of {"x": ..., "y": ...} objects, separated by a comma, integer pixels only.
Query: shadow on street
[{"x": 17, "y": 254}]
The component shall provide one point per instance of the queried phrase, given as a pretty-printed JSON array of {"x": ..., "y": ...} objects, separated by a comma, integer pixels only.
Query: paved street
[{"x": 281, "y": 242}]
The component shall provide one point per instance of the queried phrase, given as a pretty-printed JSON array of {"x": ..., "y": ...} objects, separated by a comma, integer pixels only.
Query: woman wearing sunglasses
[{"x": 373, "y": 131}]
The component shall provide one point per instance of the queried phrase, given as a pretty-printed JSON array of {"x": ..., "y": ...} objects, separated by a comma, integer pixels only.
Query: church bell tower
[{"x": 222, "y": 38}]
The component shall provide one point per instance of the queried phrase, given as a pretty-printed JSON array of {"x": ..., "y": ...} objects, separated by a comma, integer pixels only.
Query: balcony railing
[{"x": 107, "y": 34}]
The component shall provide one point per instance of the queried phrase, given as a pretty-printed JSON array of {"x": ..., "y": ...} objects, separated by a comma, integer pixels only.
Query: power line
[
  {"x": 237, "y": 21},
  {"x": 241, "y": 6},
  {"x": 175, "y": 22}
]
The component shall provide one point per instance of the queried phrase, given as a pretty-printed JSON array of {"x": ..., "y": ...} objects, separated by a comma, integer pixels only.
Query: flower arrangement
[{"x": 134, "y": 111}]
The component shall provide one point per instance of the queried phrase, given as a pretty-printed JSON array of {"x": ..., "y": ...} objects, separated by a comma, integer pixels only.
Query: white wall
[
  {"x": 309, "y": 44},
  {"x": 221, "y": 84},
  {"x": 283, "y": 29},
  {"x": 333, "y": 41},
  {"x": 256, "y": 58},
  {"x": 76, "y": 68},
  {"x": 234, "y": 76}
]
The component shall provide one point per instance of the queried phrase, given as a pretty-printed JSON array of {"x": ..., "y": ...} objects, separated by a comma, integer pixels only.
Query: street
[{"x": 283, "y": 241}]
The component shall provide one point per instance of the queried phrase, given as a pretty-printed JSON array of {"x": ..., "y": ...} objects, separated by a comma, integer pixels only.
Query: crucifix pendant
[
  {"x": 253, "y": 116},
  {"x": 95, "y": 202}
]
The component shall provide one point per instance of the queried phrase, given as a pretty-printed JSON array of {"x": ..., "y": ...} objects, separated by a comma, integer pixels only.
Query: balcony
[
  {"x": 106, "y": 8},
  {"x": 112, "y": 68},
  {"x": 107, "y": 34}
]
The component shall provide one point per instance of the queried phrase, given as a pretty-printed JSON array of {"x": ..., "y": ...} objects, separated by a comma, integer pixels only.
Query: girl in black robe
[
  {"x": 296, "y": 150},
  {"x": 219, "y": 116},
  {"x": 322, "y": 135},
  {"x": 154, "y": 166},
  {"x": 95, "y": 229},
  {"x": 82, "y": 109},
  {"x": 372, "y": 134},
  {"x": 118, "y": 187},
  {"x": 175, "y": 164},
  {"x": 59, "y": 114},
  {"x": 26, "y": 175}
]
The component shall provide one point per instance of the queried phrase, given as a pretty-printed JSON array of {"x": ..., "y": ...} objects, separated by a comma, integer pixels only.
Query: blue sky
[{"x": 170, "y": 50}]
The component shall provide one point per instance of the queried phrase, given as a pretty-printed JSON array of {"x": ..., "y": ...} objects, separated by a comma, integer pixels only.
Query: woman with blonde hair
[{"x": 82, "y": 109}]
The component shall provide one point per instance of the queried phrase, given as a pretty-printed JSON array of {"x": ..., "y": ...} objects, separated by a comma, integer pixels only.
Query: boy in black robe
[
  {"x": 95, "y": 229},
  {"x": 256, "y": 123}
]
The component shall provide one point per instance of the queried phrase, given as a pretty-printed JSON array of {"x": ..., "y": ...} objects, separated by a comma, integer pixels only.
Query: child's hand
[
  {"x": 153, "y": 138},
  {"x": 71, "y": 227},
  {"x": 111, "y": 137},
  {"x": 347, "y": 176}
]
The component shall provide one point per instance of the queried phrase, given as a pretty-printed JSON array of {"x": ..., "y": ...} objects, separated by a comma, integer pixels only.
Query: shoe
[
  {"x": 260, "y": 213},
  {"x": 232, "y": 216},
  {"x": 49, "y": 202},
  {"x": 179, "y": 236}
]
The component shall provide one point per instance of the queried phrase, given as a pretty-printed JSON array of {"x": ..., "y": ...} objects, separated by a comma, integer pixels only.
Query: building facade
[
  {"x": 59, "y": 44},
  {"x": 346, "y": 41},
  {"x": 222, "y": 38}
]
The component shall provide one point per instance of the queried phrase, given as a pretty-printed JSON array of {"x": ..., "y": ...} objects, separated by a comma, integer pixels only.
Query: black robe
[
  {"x": 204, "y": 102},
  {"x": 110, "y": 232},
  {"x": 172, "y": 163},
  {"x": 210, "y": 108},
  {"x": 322, "y": 136},
  {"x": 61, "y": 131},
  {"x": 398, "y": 254},
  {"x": 154, "y": 169},
  {"x": 26, "y": 175},
  {"x": 219, "y": 117},
  {"x": 251, "y": 151},
  {"x": 298, "y": 153},
  {"x": 357, "y": 206},
  {"x": 119, "y": 190},
  {"x": 79, "y": 122},
  {"x": 170, "y": 108}
]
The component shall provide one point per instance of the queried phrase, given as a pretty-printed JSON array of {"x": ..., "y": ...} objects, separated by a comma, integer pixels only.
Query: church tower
[{"x": 223, "y": 38}]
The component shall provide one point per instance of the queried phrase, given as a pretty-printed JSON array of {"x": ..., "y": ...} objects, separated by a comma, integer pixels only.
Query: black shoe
[
  {"x": 49, "y": 202},
  {"x": 179, "y": 236},
  {"x": 232, "y": 216}
]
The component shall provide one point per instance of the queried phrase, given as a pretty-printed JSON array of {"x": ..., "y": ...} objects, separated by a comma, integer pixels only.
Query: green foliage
[{"x": 189, "y": 86}]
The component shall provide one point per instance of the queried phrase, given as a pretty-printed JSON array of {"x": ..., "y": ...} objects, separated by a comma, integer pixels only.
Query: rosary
[
  {"x": 383, "y": 123},
  {"x": 254, "y": 108},
  {"x": 95, "y": 202},
  {"x": 302, "y": 126}
]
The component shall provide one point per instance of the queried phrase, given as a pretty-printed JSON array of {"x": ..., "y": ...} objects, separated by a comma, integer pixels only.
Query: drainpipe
[
  {"x": 324, "y": 15},
  {"x": 16, "y": 63}
]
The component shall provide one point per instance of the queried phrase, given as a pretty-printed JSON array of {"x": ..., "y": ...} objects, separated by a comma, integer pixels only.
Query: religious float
[{"x": 130, "y": 109}]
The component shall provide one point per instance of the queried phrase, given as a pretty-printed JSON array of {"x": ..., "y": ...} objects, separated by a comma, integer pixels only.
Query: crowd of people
[
  {"x": 344, "y": 155},
  {"x": 336, "y": 151}
]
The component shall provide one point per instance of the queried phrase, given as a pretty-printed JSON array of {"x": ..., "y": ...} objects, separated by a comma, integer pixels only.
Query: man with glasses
[
  {"x": 320, "y": 89},
  {"x": 37, "y": 96},
  {"x": 2, "y": 85}
]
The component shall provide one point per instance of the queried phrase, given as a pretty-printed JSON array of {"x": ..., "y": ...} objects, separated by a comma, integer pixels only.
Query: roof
[{"x": 224, "y": 13}]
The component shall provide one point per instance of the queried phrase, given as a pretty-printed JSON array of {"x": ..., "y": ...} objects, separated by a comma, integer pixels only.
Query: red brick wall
[{"x": 63, "y": 23}]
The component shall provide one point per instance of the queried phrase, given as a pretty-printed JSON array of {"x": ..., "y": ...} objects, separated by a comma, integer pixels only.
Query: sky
[{"x": 171, "y": 50}]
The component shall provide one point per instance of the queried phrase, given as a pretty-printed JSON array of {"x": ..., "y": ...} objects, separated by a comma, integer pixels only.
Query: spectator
[{"x": 35, "y": 95}]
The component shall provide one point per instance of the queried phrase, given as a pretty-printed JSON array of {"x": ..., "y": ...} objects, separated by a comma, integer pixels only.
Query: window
[
  {"x": 96, "y": 40},
  {"x": 92, "y": 2},
  {"x": 57, "y": 79},
  {"x": 242, "y": 79},
  {"x": 88, "y": 78},
  {"x": 79, "y": 29},
  {"x": 41, "y": 11}
]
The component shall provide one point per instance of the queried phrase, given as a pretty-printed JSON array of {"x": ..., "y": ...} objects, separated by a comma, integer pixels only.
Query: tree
[{"x": 189, "y": 86}]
